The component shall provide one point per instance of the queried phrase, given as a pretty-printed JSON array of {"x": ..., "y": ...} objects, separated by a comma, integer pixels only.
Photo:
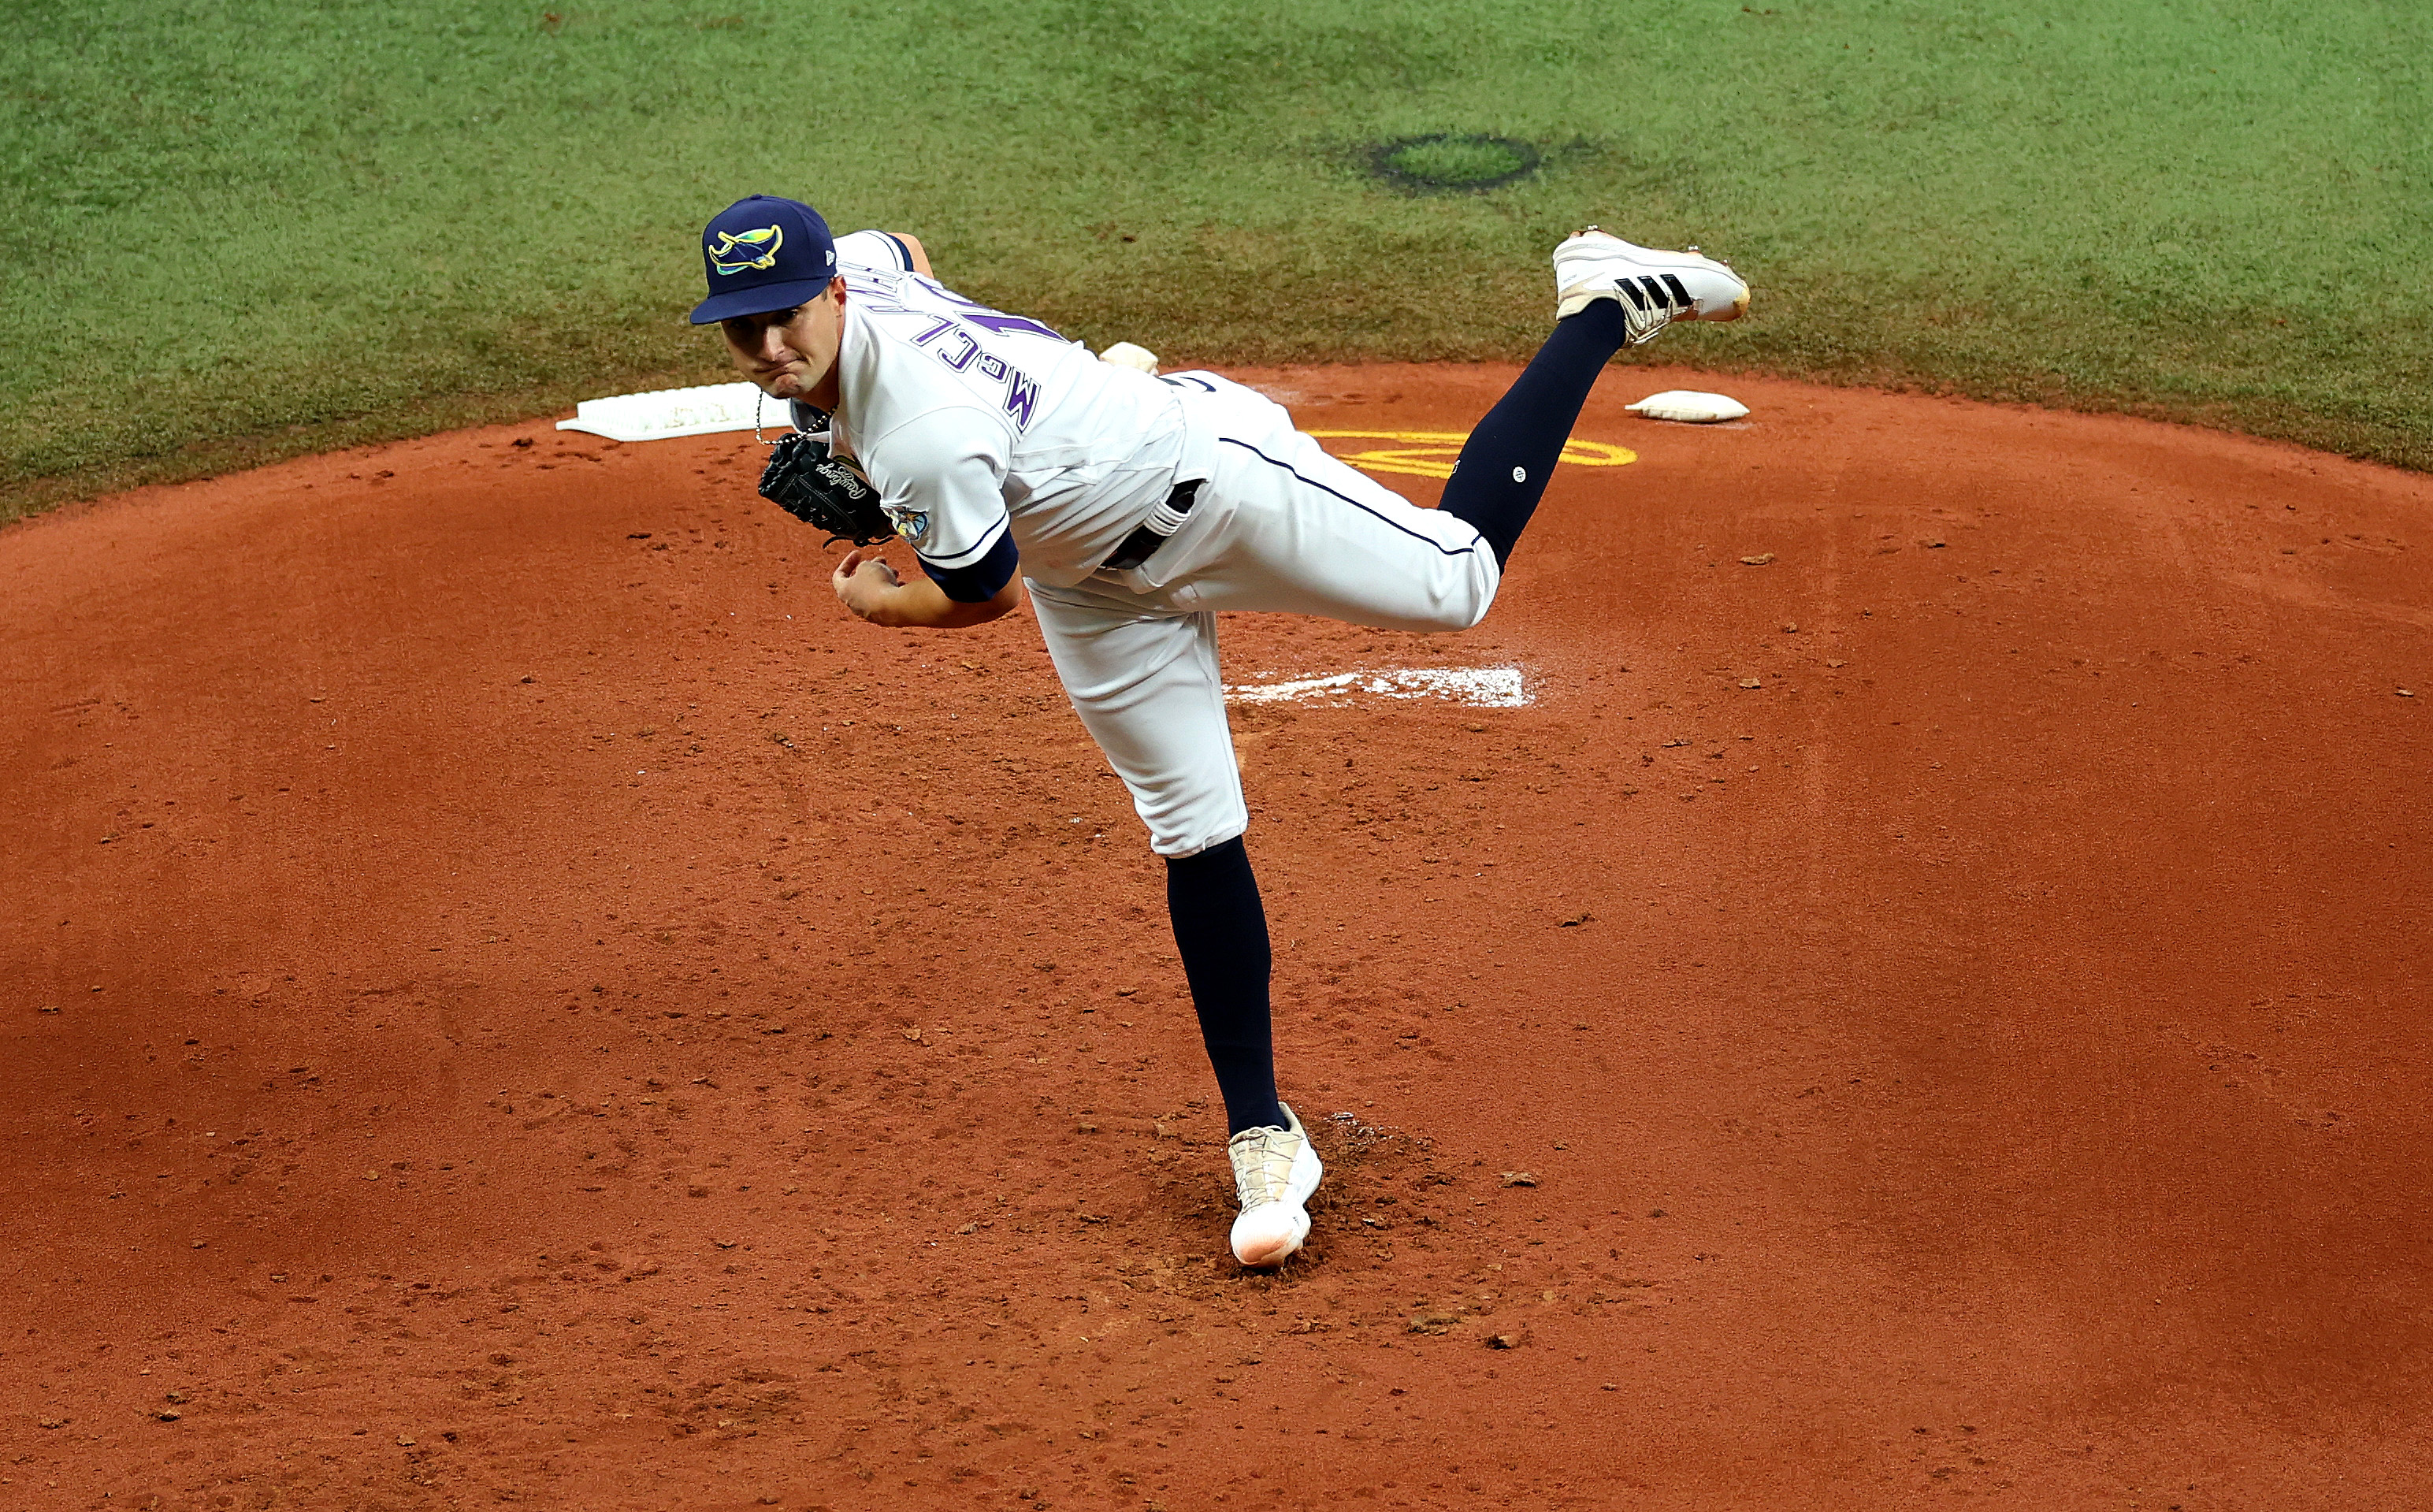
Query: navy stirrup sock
[
  {"x": 1504, "y": 465},
  {"x": 1222, "y": 932}
]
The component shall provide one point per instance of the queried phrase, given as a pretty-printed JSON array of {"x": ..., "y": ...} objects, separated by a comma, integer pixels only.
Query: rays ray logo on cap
[
  {"x": 763, "y": 254},
  {"x": 731, "y": 252}
]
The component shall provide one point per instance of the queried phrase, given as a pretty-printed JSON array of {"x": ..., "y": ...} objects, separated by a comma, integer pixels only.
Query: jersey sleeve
[
  {"x": 875, "y": 250},
  {"x": 941, "y": 478}
]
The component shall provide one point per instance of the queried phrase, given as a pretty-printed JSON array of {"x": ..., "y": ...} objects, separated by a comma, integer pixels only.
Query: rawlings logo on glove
[{"x": 810, "y": 481}]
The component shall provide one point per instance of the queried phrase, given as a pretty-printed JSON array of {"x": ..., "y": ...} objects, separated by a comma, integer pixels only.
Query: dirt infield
[{"x": 512, "y": 997}]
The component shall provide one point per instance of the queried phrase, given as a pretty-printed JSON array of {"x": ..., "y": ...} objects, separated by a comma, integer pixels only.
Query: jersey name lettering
[
  {"x": 995, "y": 322},
  {"x": 1021, "y": 397},
  {"x": 960, "y": 349}
]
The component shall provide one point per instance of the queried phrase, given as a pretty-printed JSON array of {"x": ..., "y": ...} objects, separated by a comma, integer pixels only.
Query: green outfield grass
[{"x": 238, "y": 229}]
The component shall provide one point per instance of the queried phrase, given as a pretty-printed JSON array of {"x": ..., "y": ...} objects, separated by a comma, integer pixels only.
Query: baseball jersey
[{"x": 993, "y": 440}]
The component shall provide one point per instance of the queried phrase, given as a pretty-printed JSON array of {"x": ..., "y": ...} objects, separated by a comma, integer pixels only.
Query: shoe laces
[
  {"x": 1649, "y": 302},
  {"x": 1639, "y": 327},
  {"x": 1263, "y": 1162}
]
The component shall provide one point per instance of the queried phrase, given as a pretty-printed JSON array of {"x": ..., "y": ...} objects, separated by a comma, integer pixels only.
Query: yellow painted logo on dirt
[
  {"x": 734, "y": 251},
  {"x": 1431, "y": 454}
]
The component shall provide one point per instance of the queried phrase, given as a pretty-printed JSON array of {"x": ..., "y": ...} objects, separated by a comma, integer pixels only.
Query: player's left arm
[
  {"x": 895, "y": 251},
  {"x": 871, "y": 590},
  {"x": 920, "y": 253}
]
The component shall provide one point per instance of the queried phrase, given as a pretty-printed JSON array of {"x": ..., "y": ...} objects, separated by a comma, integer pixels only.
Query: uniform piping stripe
[
  {"x": 1472, "y": 550},
  {"x": 988, "y": 538},
  {"x": 901, "y": 250}
]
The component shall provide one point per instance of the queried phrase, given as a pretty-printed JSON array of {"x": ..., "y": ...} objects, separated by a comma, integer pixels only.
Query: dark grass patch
[{"x": 1452, "y": 162}]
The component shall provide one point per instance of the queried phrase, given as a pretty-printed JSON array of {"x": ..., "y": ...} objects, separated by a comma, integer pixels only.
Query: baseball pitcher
[{"x": 1133, "y": 509}]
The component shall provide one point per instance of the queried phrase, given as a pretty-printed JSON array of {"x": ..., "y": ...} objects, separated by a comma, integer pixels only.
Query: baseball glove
[{"x": 818, "y": 488}]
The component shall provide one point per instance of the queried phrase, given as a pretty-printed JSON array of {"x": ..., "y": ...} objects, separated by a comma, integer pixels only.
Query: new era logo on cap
[{"x": 763, "y": 253}]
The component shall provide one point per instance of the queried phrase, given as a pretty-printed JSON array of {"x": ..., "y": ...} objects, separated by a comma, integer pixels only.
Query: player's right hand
[{"x": 852, "y": 591}]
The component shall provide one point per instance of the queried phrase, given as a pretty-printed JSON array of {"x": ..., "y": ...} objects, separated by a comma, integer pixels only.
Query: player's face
[{"x": 788, "y": 352}]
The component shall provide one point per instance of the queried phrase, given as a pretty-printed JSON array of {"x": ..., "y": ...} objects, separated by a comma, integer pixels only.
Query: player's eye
[{"x": 748, "y": 328}]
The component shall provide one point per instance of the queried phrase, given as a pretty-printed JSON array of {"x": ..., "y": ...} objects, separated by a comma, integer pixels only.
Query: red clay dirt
[{"x": 513, "y": 997}]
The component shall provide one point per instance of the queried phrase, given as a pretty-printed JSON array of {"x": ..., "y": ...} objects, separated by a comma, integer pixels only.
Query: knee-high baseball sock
[
  {"x": 1504, "y": 465},
  {"x": 1222, "y": 932}
]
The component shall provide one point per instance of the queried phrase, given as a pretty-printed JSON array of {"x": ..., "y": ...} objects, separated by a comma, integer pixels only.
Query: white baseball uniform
[{"x": 988, "y": 436}]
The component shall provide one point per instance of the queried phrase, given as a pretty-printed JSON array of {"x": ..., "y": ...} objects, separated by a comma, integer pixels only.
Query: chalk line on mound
[{"x": 1474, "y": 686}]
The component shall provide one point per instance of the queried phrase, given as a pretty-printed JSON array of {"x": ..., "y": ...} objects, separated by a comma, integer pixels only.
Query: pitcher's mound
[{"x": 1920, "y": 989}]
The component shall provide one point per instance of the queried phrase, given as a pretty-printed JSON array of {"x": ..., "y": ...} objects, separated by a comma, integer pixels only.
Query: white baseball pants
[{"x": 1280, "y": 526}]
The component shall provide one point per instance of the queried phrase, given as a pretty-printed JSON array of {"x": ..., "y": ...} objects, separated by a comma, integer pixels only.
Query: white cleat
[
  {"x": 1274, "y": 1170},
  {"x": 1653, "y": 287},
  {"x": 1132, "y": 355}
]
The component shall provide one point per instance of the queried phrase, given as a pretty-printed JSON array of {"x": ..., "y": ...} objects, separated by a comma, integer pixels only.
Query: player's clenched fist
[{"x": 860, "y": 578}]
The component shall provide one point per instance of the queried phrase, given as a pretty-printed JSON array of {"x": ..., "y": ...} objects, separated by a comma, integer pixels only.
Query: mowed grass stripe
[{"x": 240, "y": 229}]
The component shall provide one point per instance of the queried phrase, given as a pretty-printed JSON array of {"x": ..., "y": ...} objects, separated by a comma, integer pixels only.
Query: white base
[
  {"x": 670, "y": 412},
  {"x": 1688, "y": 404}
]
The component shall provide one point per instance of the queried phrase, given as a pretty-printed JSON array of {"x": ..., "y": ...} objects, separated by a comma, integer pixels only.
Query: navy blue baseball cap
[{"x": 763, "y": 253}]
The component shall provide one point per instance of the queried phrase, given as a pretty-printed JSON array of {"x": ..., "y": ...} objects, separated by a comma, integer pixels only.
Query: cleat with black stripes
[{"x": 1653, "y": 288}]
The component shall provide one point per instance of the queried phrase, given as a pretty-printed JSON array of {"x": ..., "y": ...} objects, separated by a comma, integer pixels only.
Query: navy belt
[{"x": 1143, "y": 542}]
